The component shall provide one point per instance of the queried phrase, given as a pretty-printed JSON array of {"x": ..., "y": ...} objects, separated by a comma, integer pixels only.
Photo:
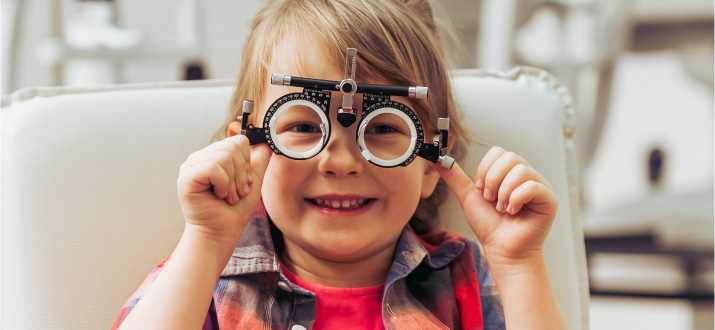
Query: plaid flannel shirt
[{"x": 437, "y": 281}]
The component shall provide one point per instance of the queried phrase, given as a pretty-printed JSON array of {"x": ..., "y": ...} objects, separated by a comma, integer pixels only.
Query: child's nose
[{"x": 341, "y": 157}]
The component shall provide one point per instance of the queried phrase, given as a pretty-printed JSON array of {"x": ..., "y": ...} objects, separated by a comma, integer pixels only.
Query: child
[{"x": 324, "y": 242}]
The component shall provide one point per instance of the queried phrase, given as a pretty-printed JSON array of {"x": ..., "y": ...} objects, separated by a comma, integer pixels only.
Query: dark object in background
[
  {"x": 655, "y": 166},
  {"x": 194, "y": 71}
]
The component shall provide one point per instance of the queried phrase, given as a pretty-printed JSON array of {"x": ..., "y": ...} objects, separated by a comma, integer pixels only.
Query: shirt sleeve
[
  {"x": 138, "y": 294},
  {"x": 492, "y": 309}
]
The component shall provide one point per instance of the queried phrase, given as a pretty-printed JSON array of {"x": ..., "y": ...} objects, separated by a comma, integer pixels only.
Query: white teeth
[{"x": 344, "y": 204}]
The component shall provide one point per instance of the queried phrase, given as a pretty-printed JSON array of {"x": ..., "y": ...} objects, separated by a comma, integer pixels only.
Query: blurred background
[{"x": 640, "y": 71}]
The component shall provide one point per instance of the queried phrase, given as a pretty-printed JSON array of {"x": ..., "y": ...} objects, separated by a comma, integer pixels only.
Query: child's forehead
[{"x": 307, "y": 58}]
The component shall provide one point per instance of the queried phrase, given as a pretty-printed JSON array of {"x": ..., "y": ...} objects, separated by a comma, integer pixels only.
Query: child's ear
[
  {"x": 234, "y": 128},
  {"x": 429, "y": 181}
]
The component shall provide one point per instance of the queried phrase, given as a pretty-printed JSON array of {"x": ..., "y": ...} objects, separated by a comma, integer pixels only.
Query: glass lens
[
  {"x": 387, "y": 136},
  {"x": 298, "y": 128}
]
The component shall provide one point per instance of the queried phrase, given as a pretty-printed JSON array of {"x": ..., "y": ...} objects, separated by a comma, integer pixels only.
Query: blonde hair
[{"x": 397, "y": 40}]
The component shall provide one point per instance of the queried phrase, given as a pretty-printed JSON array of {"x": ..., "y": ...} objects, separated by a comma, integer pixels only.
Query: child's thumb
[
  {"x": 260, "y": 155},
  {"x": 457, "y": 181}
]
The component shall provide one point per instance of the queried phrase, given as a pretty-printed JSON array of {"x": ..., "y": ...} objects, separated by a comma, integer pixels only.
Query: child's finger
[
  {"x": 497, "y": 172},
  {"x": 457, "y": 181},
  {"x": 539, "y": 198},
  {"x": 519, "y": 174},
  {"x": 489, "y": 158},
  {"x": 227, "y": 163},
  {"x": 260, "y": 155},
  {"x": 234, "y": 147},
  {"x": 241, "y": 176},
  {"x": 239, "y": 148},
  {"x": 242, "y": 145},
  {"x": 202, "y": 176}
]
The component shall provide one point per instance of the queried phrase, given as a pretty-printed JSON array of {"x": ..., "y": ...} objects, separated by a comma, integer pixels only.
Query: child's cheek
[
  {"x": 404, "y": 183},
  {"x": 273, "y": 182}
]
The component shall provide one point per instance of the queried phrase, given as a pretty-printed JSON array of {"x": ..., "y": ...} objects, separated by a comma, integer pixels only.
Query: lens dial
[
  {"x": 389, "y": 133},
  {"x": 298, "y": 124}
]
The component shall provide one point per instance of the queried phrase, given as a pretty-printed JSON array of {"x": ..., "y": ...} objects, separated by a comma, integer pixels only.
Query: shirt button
[
  {"x": 285, "y": 287},
  {"x": 298, "y": 327}
]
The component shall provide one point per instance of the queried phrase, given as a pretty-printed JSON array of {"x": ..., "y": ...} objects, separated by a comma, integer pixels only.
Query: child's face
[{"x": 297, "y": 193}]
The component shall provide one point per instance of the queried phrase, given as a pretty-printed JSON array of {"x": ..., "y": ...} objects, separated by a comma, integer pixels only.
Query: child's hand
[
  {"x": 510, "y": 206},
  {"x": 219, "y": 186}
]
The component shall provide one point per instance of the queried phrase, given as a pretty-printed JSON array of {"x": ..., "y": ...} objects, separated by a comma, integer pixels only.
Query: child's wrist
[
  {"x": 218, "y": 247},
  {"x": 515, "y": 265},
  {"x": 216, "y": 236}
]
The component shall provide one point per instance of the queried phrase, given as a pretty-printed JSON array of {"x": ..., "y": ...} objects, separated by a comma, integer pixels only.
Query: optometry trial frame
[{"x": 376, "y": 102}]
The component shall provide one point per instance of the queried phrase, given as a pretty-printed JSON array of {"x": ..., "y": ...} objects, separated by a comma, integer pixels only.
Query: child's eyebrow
[{"x": 276, "y": 92}]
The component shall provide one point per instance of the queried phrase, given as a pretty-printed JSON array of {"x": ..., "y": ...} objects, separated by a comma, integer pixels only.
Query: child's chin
[{"x": 344, "y": 251}]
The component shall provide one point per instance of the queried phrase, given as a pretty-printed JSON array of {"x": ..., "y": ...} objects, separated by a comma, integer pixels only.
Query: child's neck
[{"x": 365, "y": 272}]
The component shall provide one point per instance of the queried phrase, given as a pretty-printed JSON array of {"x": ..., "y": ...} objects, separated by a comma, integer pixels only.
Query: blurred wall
[
  {"x": 227, "y": 24},
  {"x": 655, "y": 101},
  {"x": 226, "y": 27}
]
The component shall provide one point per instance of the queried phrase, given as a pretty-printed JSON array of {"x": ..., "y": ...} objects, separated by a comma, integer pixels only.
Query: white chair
[{"x": 89, "y": 201}]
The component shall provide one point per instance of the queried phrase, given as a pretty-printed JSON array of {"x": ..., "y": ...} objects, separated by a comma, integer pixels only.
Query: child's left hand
[{"x": 510, "y": 206}]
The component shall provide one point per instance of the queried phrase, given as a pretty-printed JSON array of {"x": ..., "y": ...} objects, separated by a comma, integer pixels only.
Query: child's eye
[
  {"x": 381, "y": 129},
  {"x": 303, "y": 128}
]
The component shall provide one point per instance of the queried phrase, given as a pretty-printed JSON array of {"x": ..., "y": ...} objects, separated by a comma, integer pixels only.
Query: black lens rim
[
  {"x": 371, "y": 103},
  {"x": 318, "y": 97}
]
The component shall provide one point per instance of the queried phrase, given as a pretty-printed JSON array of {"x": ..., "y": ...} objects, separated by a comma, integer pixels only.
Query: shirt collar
[
  {"x": 256, "y": 252},
  {"x": 436, "y": 250}
]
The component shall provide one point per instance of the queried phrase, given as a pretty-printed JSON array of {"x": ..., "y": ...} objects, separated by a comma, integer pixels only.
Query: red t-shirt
[{"x": 361, "y": 308}]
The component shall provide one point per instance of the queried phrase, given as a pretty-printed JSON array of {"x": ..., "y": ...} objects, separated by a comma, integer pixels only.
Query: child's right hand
[{"x": 219, "y": 187}]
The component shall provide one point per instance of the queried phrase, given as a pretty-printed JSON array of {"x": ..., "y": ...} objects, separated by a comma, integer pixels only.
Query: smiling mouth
[{"x": 346, "y": 204}]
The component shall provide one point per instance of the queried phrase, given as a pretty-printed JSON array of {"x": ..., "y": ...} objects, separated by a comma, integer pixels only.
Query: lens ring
[
  {"x": 405, "y": 158},
  {"x": 283, "y": 104}
]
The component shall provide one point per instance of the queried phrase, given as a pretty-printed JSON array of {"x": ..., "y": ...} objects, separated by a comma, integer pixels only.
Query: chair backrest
[
  {"x": 89, "y": 186},
  {"x": 527, "y": 111}
]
